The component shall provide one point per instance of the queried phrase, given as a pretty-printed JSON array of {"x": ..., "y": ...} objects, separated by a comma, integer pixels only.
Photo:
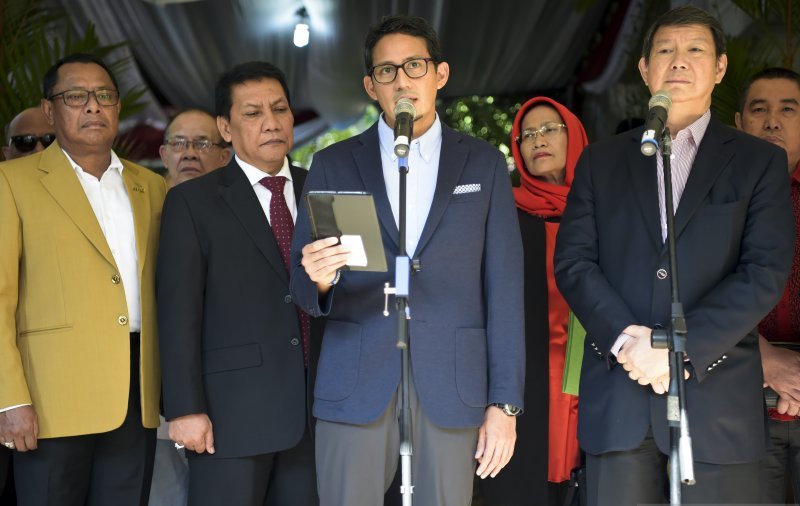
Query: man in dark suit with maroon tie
[{"x": 235, "y": 349}]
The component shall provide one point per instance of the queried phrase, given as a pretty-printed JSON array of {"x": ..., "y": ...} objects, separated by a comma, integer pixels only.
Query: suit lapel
[
  {"x": 713, "y": 155},
  {"x": 452, "y": 160},
  {"x": 643, "y": 176},
  {"x": 370, "y": 167},
  {"x": 140, "y": 205},
  {"x": 63, "y": 185},
  {"x": 238, "y": 194}
]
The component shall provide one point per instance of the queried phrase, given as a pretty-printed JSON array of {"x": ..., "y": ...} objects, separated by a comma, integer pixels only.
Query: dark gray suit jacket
[
  {"x": 467, "y": 323},
  {"x": 734, "y": 238},
  {"x": 230, "y": 337}
]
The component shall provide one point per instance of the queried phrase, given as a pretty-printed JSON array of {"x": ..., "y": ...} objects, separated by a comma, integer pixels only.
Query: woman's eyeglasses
[
  {"x": 27, "y": 143},
  {"x": 547, "y": 131}
]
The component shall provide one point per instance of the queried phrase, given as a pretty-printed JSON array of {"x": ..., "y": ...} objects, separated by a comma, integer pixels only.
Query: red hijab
[{"x": 536, "y": 196}]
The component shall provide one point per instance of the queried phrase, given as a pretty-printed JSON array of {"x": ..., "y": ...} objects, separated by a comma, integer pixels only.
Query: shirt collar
[
  {"x": 697, "y": 130},
  {"x": 255, "y": 175},
  {"x": 116, "y": 163},
  {"x": 426, "y": 145}
]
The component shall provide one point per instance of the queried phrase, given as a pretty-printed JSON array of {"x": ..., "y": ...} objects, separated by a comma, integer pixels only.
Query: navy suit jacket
[
  {"x": 230, "y": 337},
  {"x": 734, "y": 237},
  {"x": 466, "y": 330}
]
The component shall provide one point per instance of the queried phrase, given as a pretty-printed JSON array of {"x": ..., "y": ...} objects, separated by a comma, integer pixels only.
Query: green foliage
[
  {"x": 32, "y": 38},
  {"x": 303, "y": 155}
]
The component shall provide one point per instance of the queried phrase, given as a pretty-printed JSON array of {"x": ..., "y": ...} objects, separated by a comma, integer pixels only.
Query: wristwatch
[{"x": 508, "y": 409}]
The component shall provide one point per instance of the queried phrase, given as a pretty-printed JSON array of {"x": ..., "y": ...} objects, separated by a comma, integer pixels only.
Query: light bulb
[{"x": 301, "y": 35}]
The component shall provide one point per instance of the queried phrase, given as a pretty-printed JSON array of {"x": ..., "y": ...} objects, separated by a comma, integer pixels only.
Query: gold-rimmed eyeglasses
[
  {"x": 386, "y": 73},
  {"x": 181, "y": 144},
  {"x": 547, "y": 131},
  {"x": 79, "y": 98}
]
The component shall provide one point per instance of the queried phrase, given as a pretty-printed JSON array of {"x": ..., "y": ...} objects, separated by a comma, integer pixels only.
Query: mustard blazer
[{"x": 64, "y": 334}]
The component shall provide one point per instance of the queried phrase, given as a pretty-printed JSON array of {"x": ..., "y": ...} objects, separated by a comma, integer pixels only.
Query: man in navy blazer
[
  {"x": 466, "y": 328},
  {"x": 734, "y": 244}
]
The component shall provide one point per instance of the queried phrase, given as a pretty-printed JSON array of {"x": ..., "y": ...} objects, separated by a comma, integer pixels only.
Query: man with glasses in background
[
  {"x": 192, "y": 147},
  {"x": 466, "y": 329},
  {"x": 27, "y": 133},
  {"x": 79, "y": 375}
]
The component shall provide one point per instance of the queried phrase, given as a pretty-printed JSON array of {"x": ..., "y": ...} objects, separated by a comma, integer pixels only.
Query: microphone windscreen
[
  {"x": 405, "y": 105},
  {"x": 662, "y": 98}
]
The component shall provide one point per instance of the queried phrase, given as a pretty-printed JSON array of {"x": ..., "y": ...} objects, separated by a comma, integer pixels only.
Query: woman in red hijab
[{"x": 547, "y": 141}]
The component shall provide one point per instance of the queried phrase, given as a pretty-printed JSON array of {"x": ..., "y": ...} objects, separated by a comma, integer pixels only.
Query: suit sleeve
[
  {"x": 734, "y": 307},
  {"x": 180, "y": 278},
  {"x": 503, "y": 285},
  {"x": 303, "y": 290},
  {"x": 598, "y": 306},
  {"x": 13, "y": 387}
]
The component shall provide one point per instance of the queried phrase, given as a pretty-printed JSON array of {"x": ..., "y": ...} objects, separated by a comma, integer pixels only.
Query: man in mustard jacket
[{"x": 79, "y": 377}]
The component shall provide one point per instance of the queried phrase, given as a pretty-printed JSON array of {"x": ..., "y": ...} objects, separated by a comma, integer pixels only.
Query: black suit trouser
[
  {"x": 111, "y": 468},
  {"x": 639, "y": 476},
  {"x": 281, "y": 478}
]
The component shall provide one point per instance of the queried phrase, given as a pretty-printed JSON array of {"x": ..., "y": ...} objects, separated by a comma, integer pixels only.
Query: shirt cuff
[
  {"x": 13, "y": 407},
  {"x": 621, "y": 340}
]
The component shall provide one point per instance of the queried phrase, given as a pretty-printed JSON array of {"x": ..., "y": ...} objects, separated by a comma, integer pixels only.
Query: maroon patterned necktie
[{"x": 282, "y": 225}]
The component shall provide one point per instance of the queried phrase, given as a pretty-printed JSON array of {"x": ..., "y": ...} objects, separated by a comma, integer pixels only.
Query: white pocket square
[{"x": 467, "y": 188}]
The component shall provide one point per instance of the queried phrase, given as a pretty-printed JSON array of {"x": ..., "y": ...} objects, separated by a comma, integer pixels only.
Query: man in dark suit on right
[{"x": 734, "y": 237}]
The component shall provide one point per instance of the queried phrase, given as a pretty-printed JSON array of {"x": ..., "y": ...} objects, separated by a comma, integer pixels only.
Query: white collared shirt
[
  {"x": 423, "y": 172},
  {"x": 255, "y": 175},
  {"x": 112, "y": 207}
]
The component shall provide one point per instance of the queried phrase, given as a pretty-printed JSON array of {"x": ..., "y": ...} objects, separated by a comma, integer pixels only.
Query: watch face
[{"x": 511, "y": 410}]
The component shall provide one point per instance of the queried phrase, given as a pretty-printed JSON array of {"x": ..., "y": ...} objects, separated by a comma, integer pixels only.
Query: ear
[
  {"x": 442, "y": 74},
  {"x": 162, "y": 152},
  {"x": 6, "y": 153},
  {"x": 722, "y": 66},
  {"x": 737, "y": 118},
  {"x": 224, "y": 127},
  {"x": 370, "y": 87},
  {"x": 47, "y": 109},
  {"x": 643, "y": 69}
]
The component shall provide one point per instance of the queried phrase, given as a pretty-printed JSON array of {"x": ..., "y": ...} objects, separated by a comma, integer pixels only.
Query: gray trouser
[
  {"x": 170, "y": 485},
  {"x": 356, "y": 463}
]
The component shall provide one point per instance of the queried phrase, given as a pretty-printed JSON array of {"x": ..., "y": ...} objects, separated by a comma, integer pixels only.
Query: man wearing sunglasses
[
  {"x": 28, "y": 133},
  {"x": 79, "y": 376}
]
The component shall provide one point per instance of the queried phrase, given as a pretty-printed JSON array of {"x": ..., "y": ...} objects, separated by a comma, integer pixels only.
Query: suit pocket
[
  {"x": 337, "y": 372},
  {"x": 231, "y": 358},
  {"x": 471, "y": 369}
]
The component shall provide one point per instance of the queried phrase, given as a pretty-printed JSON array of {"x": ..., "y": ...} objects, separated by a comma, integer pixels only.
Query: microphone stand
[
  {"x": 401, "y": 291},
  {"x": 681, "y": 461}
]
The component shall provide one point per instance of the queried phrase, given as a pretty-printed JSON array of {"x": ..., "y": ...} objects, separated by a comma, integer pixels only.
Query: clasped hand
[{"x": 645, "y": 365}]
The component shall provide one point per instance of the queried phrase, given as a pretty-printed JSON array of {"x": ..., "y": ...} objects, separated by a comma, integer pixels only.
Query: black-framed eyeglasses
[
  {"x": 79, "y": 98},
  {"x": 27, "y": 143},
  {"x": 181, "y": 144},
  {"x": 385, "y": 73},
  {"x": 547, "y": 131}
]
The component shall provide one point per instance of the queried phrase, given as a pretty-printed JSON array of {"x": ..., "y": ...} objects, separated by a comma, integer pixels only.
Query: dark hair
[
  {"x": 51, "y": 76},
  {"x": 250, "y": 71},
  {"x": 681, "y": 16},
  {"x": 408, "y": 25},
  {"x": 184, "y": 111},
  {"x": 768, "y": 73}
]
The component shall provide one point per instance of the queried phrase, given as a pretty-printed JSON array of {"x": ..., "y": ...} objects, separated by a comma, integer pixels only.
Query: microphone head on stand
[{"x": 404, "y": 114}]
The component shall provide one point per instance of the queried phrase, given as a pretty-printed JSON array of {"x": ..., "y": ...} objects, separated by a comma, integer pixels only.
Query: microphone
[
  {"x": 659, "y": 105},
  {"x": 404, "y": 114}
]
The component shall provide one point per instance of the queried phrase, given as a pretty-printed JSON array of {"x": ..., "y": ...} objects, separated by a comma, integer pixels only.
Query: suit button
[
  {"x": 115, "y": 279},
  {"x": 295, "y": 341},
  {"x": 661, "y": 274},
  {"x": 122, "y": 320},
  {"x": 287, "y": 299}
]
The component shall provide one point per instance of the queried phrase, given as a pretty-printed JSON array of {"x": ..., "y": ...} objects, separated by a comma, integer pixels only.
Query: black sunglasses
[{"x": 27, "y": 143}]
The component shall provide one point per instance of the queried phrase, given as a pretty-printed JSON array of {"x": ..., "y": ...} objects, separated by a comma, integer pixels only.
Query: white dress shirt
[
  {"x": 423, "y": 172},
  {"x": 255, "y": 175}
]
